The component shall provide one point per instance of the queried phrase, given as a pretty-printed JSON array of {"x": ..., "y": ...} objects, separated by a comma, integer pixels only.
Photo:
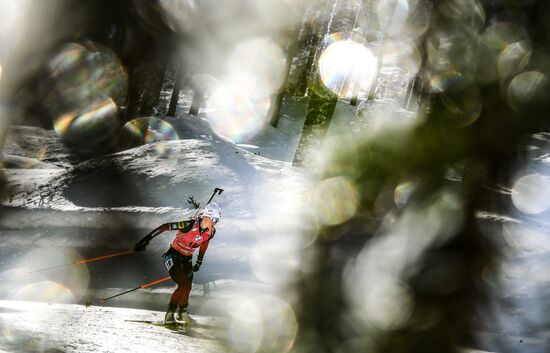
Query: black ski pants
[{"x": 180, "y": 268}]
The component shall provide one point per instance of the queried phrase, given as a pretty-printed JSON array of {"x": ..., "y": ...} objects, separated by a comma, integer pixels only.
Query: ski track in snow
[{"x": 40, "y": 327}]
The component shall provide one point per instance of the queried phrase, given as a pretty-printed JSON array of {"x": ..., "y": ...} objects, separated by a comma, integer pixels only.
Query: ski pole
[
  {"x": 80, "y": 262},
  {"x": 140, "y": 287},
  {"x": 216, "y": 191},
  {"x": 98, "y": 258}
]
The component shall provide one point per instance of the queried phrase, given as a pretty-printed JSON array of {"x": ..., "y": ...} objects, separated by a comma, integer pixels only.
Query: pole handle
[{"x": 216, "y": 191}]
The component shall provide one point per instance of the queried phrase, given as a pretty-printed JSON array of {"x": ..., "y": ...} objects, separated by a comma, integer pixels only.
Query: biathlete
[{"x": 194, "y": 233}]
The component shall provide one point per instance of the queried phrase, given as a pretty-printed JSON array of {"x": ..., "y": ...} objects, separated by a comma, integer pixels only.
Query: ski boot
[
  {"x": 170, "y": 317},
  {"x": 183, "y": 317}
]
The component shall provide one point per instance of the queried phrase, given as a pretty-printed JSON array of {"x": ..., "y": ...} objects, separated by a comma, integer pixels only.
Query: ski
[
  {"x": 195, "y": 330},
  {"x": 177, "y": 324}
]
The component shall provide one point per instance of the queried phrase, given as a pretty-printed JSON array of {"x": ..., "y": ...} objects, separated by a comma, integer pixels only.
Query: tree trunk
[
  {"x": 322, "y": 28},
  {"x": 196, "y": 103},
  {"x": 132, "y": 103},
  {"x": 353, "y": 101},
  {"x": 276, "y": 108},
  {"x": 319, "y": 114},
  {"x": 278, "y": 101},
  {"x": 303, "y": 41},
  {"x": 175, "y": 93},
  {"x": 303, "y": 81},
  {"x": 153, "y": 86}
]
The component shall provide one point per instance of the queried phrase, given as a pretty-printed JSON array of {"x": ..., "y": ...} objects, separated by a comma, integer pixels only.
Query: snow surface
[
  {"x": 36, "y": 144},
  {"x": 41, "y": 327}
]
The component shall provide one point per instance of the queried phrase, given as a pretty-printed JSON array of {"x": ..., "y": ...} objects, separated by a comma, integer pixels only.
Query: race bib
[{"x": 169, "y": 263}]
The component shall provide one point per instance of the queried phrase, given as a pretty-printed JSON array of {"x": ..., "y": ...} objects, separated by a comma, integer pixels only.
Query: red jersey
[{"x": 190, "y": 237}]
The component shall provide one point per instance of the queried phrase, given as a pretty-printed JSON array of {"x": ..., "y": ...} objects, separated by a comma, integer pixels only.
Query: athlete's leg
[
  {"x": 182, "y": 315},
  {"x": 185, "y": 290},
  {"x": 182, "y": 273}
]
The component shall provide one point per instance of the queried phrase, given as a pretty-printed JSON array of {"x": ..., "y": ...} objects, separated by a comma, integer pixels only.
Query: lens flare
[
  {"x": 403, "y": 54},
  {"x": 238, "y": 108},
  {"x": 45, "y": 291},
  {"x": 89, "y": 126},
  {"x": 84, "y": 74},
  {"x": 461, "y": 99},
  {"x": 403, "y": 192},
  {"x": 494, "y": 40},
  {"x": 501, "y": 34},
  {"x": 336, "y": 37},
  {"x": 531, "y": 194},
  {"x": 280, "y": 323},
  {"x": 375, "y": 281},
  {"x": 382, "y": 119},
  {"x": 89, "y": 84},
  {"x": 178, "y": 14},
  {"x": 514, "y": 58},
  {"x": 281, "y": 205},
  {"x": 462, "y": 108},
  {"x": 345, "y": 65},
  {"x": 74, "y": 278},
  {"x": 388, "y": 305},
  {"x": 455, "y": 52},
  {"x": 404, "y": 18},
  {"x": 335, "y": 200},
  {"x": 265, "y": 323},
  {"x": 14, "y": 279},
  {"x": 276, "y": 259},
  {"x": 447, "y": 81},
  {"x": 245, "y": 331},
  {"x": 459, "y": 9},
  {"x": 262, "y": 59},
  {"x": 528, "y": 90},
  {"x": 143, "y": 131}
]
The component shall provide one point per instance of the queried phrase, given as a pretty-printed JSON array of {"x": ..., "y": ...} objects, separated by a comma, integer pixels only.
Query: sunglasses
[{"x": 215, "y": 219}]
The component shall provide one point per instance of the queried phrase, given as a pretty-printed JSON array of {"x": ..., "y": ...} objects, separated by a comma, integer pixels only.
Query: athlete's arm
[
  {"x": 202, "y": 251},
  {"x": 184, "y": 226}
]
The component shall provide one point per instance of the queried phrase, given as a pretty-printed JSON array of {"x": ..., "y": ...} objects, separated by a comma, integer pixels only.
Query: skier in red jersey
[{"x": 192, "y": 234}]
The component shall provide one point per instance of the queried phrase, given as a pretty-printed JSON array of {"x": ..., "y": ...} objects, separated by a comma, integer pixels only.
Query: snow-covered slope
[
  {"x": 36, "y": 144},
  {"x": 155, "y": 178}
]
